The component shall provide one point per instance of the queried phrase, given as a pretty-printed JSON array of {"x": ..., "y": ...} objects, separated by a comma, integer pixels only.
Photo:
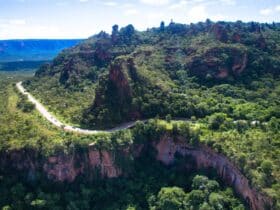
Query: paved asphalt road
[{"x": 52, "y": 119}]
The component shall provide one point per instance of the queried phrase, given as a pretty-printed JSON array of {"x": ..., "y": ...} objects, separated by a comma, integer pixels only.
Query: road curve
[{"x": 52, "y": 119}]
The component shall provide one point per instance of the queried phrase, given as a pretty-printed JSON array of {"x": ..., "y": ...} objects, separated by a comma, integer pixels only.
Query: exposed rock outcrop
[
  {"x": 239, "y": 63},
  {"x": 62, "y": 167},
  {"x": 67, "y": 167},
  {"x": 261, "y": 43},
  {"x": 114, "y": 94},
  {"x": 218, "y": 63},
  {"x": 105, "y": 161},
  {"x": 118, "y": 84},
  {"x": 205, "y": 158},
  {"x": 102, "y": 54},
  {"x": 220, "y": 32},
  {"x": 236, "y": 37},
  {"x": 118, "y": 79}
]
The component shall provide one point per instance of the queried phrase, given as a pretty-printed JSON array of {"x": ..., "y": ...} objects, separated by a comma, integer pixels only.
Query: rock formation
[
  {"x": 62, "y": 167},
  {"x": 205, "y": 158},
  {"x": 67, "y": 167},
  {"x": 220, "y": 32},
  {"x": 115, "y": 92},
  {"x": 218, "y": 63}
]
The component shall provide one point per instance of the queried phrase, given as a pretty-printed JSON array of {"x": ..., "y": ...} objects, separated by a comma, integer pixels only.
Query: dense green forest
[
  {"x": 253, "y": 147},
  {"x": 223, "y": 77},
  {"x": 181, "y": 70},
  {"x": 150, "y": 185}
]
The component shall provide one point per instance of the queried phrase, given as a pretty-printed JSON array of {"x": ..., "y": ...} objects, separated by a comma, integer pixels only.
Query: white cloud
[
  {"x": 155, "y": 2},
  {"x": 155, "y": 16},
  {"x": 270, "y": 11},
  {"x": 183, "y": 3},
  {"x": 200, "y": 13},
  {"x": 266, "y": 12},
  {"x": 13, "y": 29},
  {"x": 83, "y": 1},
  {"x": 217, "y": 17},
  {"x": 110, "y": 3},
  {"x": 197, "y": 13},
  {"x": 130, "y": 12},
  {"x": 62, "y": 3},
  {"x": 228, "y": 2},
  {"x": 179, "y": 4},
  {"x": 127, "y": 5},
  {"x": 17, "y": 22}
]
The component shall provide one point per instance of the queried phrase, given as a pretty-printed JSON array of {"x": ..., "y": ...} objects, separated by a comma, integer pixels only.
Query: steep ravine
[{"x": 88, "y": 163}]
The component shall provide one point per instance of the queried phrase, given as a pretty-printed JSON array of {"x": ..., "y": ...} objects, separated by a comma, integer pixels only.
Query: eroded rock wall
[
  {"x": 205, "y": 158},
  {"x": 62, "y": 167},
  {"x": 67, "y": 167},
  {"x": 218, "y": 63}
]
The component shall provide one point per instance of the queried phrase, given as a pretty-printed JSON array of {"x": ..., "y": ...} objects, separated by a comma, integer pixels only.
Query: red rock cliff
[
  {"x": 205, "y": 158},
  {"x": 62, "y": 167},
  {"x": 219, "y": 63},
  {"x": 67, "y": 167}
]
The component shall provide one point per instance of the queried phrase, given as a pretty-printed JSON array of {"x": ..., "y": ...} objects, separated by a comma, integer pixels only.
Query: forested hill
[
  {"x": 33, "y": 49},
  {"x": 128, "y": 75},
  {"x": 223, "y": 76}
]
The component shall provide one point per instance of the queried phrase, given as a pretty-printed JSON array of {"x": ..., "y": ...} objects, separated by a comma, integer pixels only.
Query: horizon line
[{"x": 141, "y": 30}]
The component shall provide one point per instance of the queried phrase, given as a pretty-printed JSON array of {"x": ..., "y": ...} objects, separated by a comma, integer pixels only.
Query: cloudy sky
[{"x": 83, "y": 18}]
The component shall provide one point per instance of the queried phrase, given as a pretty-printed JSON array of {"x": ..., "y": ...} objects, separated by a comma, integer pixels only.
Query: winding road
[
  {"x": 206, "y": 158},
  {"x": 52, "y": 119}
]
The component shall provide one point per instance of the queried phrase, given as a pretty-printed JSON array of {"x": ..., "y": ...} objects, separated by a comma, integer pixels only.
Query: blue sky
[{"x": 83, "y": 18}]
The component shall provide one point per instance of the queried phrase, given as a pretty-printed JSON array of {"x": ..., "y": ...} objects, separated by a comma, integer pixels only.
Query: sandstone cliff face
[
  {"x": 118, "y": 78},
  {"x": 105, "y": 161},
  {"x": 115, "y": 93},
  {"x": 116, "y": 85},
  {"x": 261, "y": 42},
  {"x": 102, "y": 54},
  {"x": 218, "y": 63},
  {"x": 205, "y": 158},
  {"x": 236, "y": 37},
  {"x": 220, "y": 32},
  {"x": 19, "y": 160},
  {"x": 67, "y": 167},
  {"x": 62, "y": 167}
]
